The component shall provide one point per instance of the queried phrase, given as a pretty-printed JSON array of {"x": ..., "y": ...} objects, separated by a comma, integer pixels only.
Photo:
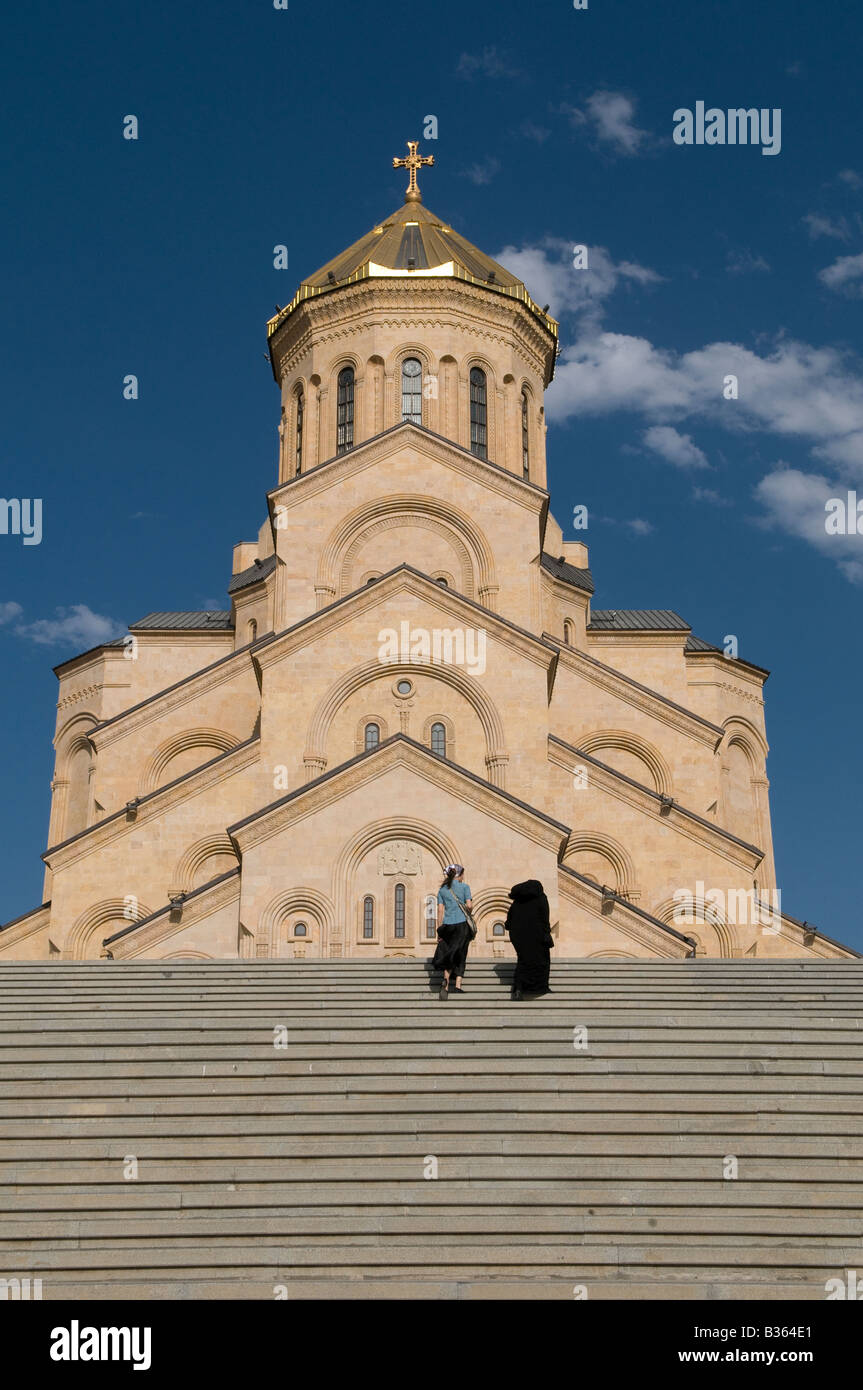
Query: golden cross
[{"x": 413, "y": 161}]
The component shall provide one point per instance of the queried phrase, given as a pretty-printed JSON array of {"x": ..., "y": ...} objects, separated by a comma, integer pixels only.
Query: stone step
[
  {"x": 214, "y": 1135},
  {"x": 192, "y": 1108},
  {"x": 548, "y": 1222},
  {"x": 304, "y": 1167},
  {"x": 168, "y": 1161},
  {"x": 398, "y": 1288},
  {"x": 384, "y": 1197},
  {"x": 591, "y": 1259},
  {"x": 635, "y": 1105}
]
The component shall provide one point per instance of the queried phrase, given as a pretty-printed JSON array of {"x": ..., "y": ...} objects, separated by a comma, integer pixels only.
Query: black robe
[{"x": 529, "y": 928}]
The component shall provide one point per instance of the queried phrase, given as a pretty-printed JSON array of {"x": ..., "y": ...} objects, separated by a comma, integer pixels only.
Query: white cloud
[
  {"x": 824, "y": 226},
  {"x": 814, "y": 394},
  {"x": 745, "y": 262},
  {"x": 676, "y": 447},
  {"x": 9, "y": 611},
  {"x": 709, "y": 494},
  {"x": 791, "y": 389},
  {"x": 851, "y": 177},
  {"x": 489, "y": 63},
  {"x": 482, "y": 172},
  {"x": 551, "y": 278},
  {"x": 611, "y": 117},
  {"x": 74, "y": 625},
  {"x": 795, "y": 503},
  {"x": 843, "y": 275}
]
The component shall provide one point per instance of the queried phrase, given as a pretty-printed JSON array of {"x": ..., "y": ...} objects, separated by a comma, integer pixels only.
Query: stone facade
[{"x": 411, "y": 672}]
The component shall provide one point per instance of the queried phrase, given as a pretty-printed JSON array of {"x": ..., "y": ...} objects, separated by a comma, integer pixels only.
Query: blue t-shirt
[{"x": 452, "y": 899}]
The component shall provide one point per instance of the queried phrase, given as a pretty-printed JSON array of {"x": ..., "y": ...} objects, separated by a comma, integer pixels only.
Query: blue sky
[{"x": 260, "y": 127}]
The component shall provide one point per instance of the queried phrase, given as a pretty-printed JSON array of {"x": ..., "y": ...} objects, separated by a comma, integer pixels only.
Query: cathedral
[{"x": 412, "y": 672}]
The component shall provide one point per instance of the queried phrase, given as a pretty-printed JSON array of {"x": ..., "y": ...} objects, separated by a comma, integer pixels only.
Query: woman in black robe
[{"x": 529, "y": 927}]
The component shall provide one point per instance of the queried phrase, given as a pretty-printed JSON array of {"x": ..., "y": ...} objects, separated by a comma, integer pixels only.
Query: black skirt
[{"x": 453, "y": 939}]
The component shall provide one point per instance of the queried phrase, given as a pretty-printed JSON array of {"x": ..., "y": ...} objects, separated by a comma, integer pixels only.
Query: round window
[{"x": 404, "y": 687}]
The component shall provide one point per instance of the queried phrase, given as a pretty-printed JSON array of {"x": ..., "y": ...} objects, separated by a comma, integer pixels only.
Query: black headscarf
[
  {"x": 529, "y": 905},
  {"x": 529, "y": 927}
]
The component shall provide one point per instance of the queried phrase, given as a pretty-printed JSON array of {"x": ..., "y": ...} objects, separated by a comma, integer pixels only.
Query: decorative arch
[
  {"x": 616, "y": 856},
  {"x": 491, "y": 905},
  {"x": 466, "y": 585},
  {"x": 315, "y": 758},
  {"x": 393, "y": 374},
  {"x": 215, "y": 739},
  {"x": 196, "y": 855},
  {"x": 76, "y": 729},
  {"x": 465, "y": 537},
  {"x": 188, "y": 955},
  {"x": 429, "y": 836},
  {"x": 72, "y": 802},
  {"x": 748, "y": 736},
  {"x": 632, "y": 743},
  {"x": 360, "y": 739},
  {"x": 611, "y": 955},
  {"x": 449, "y": 726},
  {"x": 310, "y": 902},
  {"x": 710, "y": 924},
  {"x": 89, "y": 929}
]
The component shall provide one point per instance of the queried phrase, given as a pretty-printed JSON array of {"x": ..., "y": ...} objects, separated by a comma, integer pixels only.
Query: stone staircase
[{"x": 300, "y": 1171}]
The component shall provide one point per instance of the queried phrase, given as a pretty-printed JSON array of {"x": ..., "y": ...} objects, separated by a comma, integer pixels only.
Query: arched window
[
  {"x": 301, "y": 405},
  {"x": 301, "y": 929},
  {"x": 345, "y": 411},
  {"x": 412, "y": 390},
  {"x": 399, "y": 911},
  {"x": 252, "y": 629},
  {"x": 368, "y": 918},
  {"x": 499, "y": 929},
  {"x": 444, "y": 583},
  {"x": 438, "y": 739},
  {"x": 525, "y": 438},
  {"x": 372, "y": 736},
  {"x": 478, "y": 414},
  {"x": 567, "y": 632}
]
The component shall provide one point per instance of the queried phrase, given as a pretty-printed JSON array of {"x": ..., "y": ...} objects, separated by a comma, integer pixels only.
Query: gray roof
[
  {"x": 698, "y": 644},
  {"x": 258, "y": 570},
  {"x": 636, "y": 620},
  {"x": 570, "y": 574},
  {"x": 201, "y": 620}
]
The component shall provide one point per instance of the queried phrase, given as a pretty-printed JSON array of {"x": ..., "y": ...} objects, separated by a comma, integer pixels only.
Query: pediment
[{"x": 409, "y": 439}]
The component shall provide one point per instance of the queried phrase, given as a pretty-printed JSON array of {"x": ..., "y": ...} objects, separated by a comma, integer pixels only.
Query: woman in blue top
[{"x": 453, "y": 931}]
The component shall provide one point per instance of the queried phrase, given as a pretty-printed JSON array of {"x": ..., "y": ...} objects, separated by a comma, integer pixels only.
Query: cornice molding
[
  {"x": 622, "y": 917},
  {"x": 651, "y": 702},
  {"x": 154, "y": 805},
  {"x": 162, "y": 702},
  {"x": 399, "y": 751},
  {"x": 394, "y": 440},
  {"x": 405, "y": 579},
  {"x": 403, "y": 303},
  {"x": 167, "y": 922},
  {"x": 679, "y": 818}
]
